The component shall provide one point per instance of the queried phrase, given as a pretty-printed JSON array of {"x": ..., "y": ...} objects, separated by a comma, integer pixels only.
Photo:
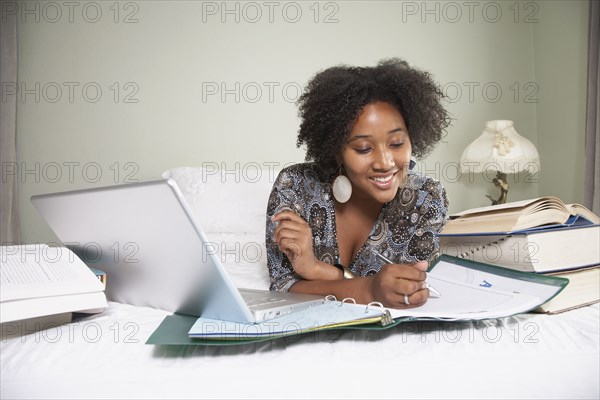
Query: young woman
[{"x": 328, "y": 220}]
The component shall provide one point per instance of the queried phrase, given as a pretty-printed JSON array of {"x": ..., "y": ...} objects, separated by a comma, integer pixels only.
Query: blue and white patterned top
[{"x": 405, "y": 231}]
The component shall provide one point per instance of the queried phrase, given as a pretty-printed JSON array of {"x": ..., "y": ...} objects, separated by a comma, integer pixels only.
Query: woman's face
[{"x": 377, "y": 154}]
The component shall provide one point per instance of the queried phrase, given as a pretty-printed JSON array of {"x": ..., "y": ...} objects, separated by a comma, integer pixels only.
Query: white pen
[{"x": 432, "y": 290}]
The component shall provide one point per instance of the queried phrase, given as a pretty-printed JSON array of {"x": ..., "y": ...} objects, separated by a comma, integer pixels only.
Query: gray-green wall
[
  {"x": 560, "y": 65},
  {"x": 158, "y": 65}
]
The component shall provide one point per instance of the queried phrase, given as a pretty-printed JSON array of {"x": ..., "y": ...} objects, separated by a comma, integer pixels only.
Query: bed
[{"x": 106, "y": 356}]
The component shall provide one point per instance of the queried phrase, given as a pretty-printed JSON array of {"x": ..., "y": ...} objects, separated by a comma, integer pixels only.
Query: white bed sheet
[{"x": 105, "y": 356}]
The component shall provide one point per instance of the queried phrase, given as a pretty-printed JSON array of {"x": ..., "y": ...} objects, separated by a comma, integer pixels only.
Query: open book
[
  {"x": 38, "y": 280},
  {"x": 469, "y": 291},
  {"x": 519, "y": 216}
]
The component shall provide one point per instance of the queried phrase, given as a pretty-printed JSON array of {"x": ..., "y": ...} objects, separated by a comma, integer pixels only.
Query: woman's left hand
[{"x": 400, "y": 285}]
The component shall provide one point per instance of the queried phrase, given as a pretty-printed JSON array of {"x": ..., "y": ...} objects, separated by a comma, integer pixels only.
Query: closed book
[
  {"x": 583, "y": 289},
  {"x": 537, "y": 250},
  {"x": 101, "y": 275}
]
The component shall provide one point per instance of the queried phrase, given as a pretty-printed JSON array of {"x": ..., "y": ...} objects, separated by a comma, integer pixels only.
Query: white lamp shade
[{"x": 500, "y": 148}]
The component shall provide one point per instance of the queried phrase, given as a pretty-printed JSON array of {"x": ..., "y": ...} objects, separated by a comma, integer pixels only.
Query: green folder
[
  {"x": 456, "y": 278},
  {"x": 174, "y": 329}
]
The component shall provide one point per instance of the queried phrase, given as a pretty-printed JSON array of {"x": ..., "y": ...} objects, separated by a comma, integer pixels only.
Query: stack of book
[{"x": 542, "y": 235}]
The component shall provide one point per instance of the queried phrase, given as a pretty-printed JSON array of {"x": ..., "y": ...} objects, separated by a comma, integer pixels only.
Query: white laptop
[{"x": 146, "y": 239}]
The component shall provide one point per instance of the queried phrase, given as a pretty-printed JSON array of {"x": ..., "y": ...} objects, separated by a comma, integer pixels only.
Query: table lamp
[{"x": 500, "y": 148}]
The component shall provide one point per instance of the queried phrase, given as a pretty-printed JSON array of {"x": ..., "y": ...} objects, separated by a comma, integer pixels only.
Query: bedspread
[{"x": 105, "y": 356}]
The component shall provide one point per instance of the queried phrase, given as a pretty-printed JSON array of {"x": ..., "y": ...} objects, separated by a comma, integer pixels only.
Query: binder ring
[
  {"x": 386, "y": 319},
  {"x": 374, "y": 303},
  {"x": 350, "y": 299},
  {"x": 330, "y": 297}
]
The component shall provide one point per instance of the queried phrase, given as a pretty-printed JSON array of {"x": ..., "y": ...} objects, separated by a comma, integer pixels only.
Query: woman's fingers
[
  {"x": 402, "y": 285},
  {"x": 418, "y": 298},
  {"x": 404, "y": 271},
  {"x": 294, "y": 238},
  {"x": 287, "y": 215}
]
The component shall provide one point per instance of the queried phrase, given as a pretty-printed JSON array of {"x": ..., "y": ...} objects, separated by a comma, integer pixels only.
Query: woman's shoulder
[
  {"x": 299, "y": 185},
  {"x": 301, "y": 167},
  {"x": 418, "y": 181},
  {"x": 302, "y": 171},
  {"x": 419, "y": 189}
]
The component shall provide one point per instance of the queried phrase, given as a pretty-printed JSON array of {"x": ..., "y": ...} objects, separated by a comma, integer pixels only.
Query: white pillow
[
  {"x": 231, "y": 206},
  {"x": 244, "y": 257},
  {"x": 226, "y": 201}
]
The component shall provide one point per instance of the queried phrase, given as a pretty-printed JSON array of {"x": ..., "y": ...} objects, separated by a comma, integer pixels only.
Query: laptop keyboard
[{"x": 259, "y": 299}]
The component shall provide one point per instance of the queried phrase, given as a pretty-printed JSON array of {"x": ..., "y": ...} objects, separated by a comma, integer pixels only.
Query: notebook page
[
  {"x": 38, "y": 270},
  {"x": 473, "y": 294}
]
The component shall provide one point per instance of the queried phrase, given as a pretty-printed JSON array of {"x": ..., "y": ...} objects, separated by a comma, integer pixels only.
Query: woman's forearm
[
  {"x": 357, "y": 288},
  {"x": 324, "y": 271}
]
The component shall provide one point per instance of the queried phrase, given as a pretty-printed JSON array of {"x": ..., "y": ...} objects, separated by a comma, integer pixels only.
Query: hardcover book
[
  {"x": 583, "y": 290},
  {"x": 519, "y": 216},
  {"x": 536, "y": 250}
]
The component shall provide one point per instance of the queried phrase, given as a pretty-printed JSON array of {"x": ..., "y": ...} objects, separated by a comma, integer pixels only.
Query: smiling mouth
[{"x": 383, "y": 181}]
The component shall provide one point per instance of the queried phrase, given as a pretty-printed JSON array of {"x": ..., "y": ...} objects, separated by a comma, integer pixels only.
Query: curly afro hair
[{"x": 335, "y": 97}]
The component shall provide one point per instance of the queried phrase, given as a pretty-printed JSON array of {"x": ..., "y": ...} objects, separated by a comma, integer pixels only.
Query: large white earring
[{"x": 342, "y": 188}]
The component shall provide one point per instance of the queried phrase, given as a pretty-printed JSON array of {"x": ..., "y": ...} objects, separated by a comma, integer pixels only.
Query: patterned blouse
[{"x": 405, "y": 231}]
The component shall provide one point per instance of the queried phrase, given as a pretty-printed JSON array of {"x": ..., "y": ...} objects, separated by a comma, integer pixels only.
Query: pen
[{"x": 383, "y": 258}]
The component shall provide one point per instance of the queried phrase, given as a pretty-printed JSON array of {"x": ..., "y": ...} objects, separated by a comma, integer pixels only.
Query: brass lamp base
[{"x": 501, "y": 183}]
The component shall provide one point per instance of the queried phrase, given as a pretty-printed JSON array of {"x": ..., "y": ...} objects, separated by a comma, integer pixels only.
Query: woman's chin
[{"x": 384, "y": 196}]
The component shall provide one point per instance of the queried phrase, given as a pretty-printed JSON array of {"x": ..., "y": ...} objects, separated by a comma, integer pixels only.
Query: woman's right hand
[
  {"x": 390, "y": 285},
  {"x": 294, "y": 238}
]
